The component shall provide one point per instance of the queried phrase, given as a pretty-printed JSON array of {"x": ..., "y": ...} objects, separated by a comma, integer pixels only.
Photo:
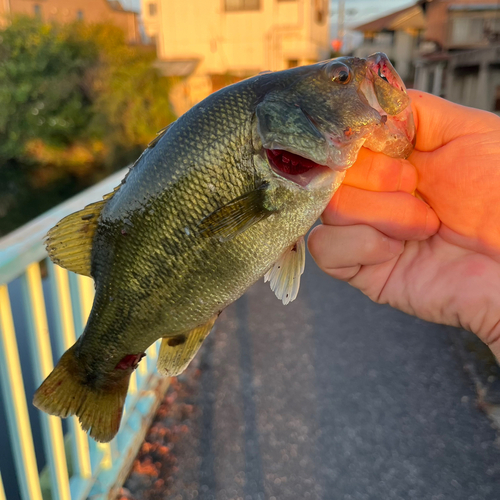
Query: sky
[{"x": 361, "y": 11}]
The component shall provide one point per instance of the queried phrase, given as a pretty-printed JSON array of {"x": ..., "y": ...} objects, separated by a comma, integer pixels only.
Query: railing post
[
  {"x": 65, "y": 338},
  {"x": 41, "y": 359},
  {"x": 2, "y": 491},
  {"x": 15, "y": 404},
  {"x": 20, "y": 253},
  {"x": 101, "y": 453}
]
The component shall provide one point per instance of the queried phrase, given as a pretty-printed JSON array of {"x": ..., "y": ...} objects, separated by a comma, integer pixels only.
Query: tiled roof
[{"x": 411, "y": 17}]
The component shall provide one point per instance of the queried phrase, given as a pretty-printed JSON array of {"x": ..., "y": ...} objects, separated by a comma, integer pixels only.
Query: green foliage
[
  {"x": 76, "y": 103},
  {"x": 132, "y": 99},
  {"x": 41, "y": 67}
]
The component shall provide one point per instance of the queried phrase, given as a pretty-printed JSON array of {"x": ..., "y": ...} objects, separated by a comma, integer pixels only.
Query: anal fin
[
  {"x": 177, "y": 352},
  {"x": 285, "y": 274}
]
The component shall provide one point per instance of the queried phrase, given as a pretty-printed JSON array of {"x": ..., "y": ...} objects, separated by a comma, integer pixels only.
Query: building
[
  {"x": 209, "y": 43},
  {"x": 397, "y": 35},
  {"x": 460, "y": 53},
  {"x": 461, "y": 24},
  {"x": 450, "y": 48},
  {"x": 64, "y": 11}
]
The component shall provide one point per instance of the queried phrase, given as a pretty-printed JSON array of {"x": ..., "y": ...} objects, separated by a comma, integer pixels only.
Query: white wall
[{"x": 243, "y": 42}]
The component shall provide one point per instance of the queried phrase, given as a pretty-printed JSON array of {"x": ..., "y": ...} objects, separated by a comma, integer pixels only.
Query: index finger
[
  {"x": 398, "y": 215},
  {"x": 378, "y": 172}
]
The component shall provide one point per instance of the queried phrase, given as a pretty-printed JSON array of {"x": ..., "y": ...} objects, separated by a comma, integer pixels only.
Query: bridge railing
[{"x": 43, "y": 309}]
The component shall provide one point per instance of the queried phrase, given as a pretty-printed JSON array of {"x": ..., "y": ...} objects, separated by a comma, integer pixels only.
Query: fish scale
[{"x": 202, "y": 215}]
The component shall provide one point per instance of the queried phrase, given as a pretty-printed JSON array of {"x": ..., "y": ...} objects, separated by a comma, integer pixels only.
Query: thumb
[{"x": 439, "y": 121}]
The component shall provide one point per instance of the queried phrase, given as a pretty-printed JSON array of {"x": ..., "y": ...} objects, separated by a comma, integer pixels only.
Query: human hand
[{"x": 439, "y": 261}]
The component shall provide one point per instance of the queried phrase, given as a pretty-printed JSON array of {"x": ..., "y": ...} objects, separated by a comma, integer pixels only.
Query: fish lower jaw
[{"x": 395, "y": 138}]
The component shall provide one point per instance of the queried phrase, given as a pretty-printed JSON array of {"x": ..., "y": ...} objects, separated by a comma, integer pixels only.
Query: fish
[{"x": 219, "y": 199}]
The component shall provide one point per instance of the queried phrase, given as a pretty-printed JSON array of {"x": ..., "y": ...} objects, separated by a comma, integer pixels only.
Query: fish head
[{"x": 321, "y": 115}]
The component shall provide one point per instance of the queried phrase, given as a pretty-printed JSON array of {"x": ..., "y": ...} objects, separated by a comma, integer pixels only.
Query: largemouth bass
[{"x": 219, "y": 199}]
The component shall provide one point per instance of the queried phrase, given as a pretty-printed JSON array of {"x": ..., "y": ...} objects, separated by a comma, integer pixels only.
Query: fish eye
[
  {"x": 340, "y": 73},
  {"x": 381, "y": 74}
]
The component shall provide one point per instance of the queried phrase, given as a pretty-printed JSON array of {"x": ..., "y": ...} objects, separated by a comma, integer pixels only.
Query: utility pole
[{"x": 340, "y": 23}]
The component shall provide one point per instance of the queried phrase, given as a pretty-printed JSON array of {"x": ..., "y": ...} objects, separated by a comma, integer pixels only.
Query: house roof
[{"x": 411, "y": 17}]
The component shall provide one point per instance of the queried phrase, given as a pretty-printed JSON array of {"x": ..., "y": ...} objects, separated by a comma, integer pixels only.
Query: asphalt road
[{"x": 333, "y": 397}]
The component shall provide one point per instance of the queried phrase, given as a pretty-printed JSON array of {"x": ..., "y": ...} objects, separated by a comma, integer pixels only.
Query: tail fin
[{"x": 65, "y": 392}]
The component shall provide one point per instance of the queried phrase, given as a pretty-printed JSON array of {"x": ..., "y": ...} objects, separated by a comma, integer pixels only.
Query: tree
[
  {"x": 41, "y": 67},
  {"x": 76, "y": 103},
  {"x": 131, "y": 97}
]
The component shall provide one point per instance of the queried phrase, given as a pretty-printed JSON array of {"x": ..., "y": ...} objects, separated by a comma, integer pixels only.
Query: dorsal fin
[
  {"x": 159, "y": 135},
  {"x": 69, "y": 242},
  {"x": 150, "y": 146}
]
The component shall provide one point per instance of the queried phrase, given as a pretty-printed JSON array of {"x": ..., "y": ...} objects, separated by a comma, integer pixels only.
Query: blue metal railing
[{"x": 43, "y": 308}]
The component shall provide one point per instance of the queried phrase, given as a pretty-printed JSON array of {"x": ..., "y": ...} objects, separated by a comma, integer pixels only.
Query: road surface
[{"x": 331, "y": 397}]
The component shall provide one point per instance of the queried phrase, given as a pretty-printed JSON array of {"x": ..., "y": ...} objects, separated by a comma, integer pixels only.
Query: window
[
  {"x": 321, "y": 10},
  {"x": 79, "y": 15},
  {"x": 152, "y": 7},
  {"x": 38, "y": 10},
  {"x": 235, "y": 5},
  {"x": 430, "y": 80},
  {"x": 492, "y": 29},
  {"x": 466, "y": 30}
]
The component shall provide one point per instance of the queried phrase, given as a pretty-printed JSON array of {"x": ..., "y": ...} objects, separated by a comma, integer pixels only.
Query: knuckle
[
  {"x": 492, "y": 337},
  {"x": 344, "y": 273},
  {"x": 371, "y": 241},
  {"x": 408, "y": 177}
]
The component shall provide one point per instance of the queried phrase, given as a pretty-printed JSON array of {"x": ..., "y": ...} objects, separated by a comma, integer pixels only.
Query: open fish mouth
[
  {"x": 362, "y": 102},
  {"x": 293, "y": 167}
]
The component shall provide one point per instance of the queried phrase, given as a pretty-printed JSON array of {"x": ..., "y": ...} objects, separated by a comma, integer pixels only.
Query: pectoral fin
[
  {"x": 237, "y": 215},
  {"x": 284, "y": 276},
  {"x": 177, "y": 352}
]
